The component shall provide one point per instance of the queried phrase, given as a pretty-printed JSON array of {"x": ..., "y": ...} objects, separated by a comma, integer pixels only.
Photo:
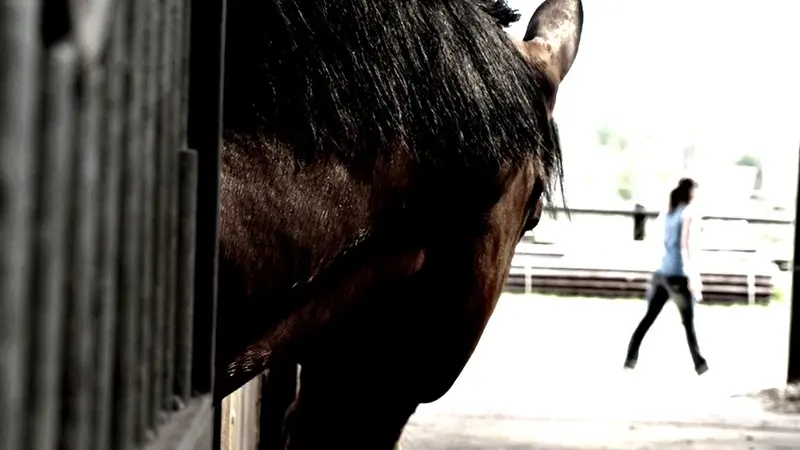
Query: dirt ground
[{"x": 548, "y": 375}]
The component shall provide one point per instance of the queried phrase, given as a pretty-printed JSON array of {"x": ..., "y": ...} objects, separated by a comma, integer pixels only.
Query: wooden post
[
  {"x": 240, "y": 423},
  {"x": 639, "y": 219},
  {"x": 528, "y": 281},
  {"x": 793, "y": 374}
]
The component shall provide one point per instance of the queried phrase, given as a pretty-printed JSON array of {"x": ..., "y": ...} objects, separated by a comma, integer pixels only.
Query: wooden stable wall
[{"x": 104, "y": 342}]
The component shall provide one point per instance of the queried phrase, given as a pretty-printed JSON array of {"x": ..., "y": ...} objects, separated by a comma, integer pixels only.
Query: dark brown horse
[{"x": 382, "y": 159}]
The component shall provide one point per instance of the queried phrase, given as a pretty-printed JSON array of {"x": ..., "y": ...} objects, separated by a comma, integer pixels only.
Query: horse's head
[
  {"x": 381, "y": 159},
  {"x": 550, "y": 45}
]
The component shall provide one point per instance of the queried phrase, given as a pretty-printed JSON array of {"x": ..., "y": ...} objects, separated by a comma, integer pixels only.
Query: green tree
[
  {"x": 625, "y": 184},
  {"x": 622, "y": 143},
  {"x": 604, "y": 136},
  {"x": 748, "y": 161}
]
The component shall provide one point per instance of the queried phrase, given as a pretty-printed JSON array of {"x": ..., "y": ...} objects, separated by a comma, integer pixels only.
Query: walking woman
[{"x": 677, "y": 277}]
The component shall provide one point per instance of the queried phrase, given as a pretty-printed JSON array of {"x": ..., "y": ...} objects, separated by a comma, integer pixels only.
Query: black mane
[{"x": 353, "y": 79}]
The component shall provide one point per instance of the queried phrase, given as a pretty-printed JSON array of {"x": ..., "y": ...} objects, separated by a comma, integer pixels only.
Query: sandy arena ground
[{"x": 548, "y": 375}]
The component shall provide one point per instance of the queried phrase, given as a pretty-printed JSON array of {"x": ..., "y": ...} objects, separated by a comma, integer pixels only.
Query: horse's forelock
[{"x": 499, "y": 10}]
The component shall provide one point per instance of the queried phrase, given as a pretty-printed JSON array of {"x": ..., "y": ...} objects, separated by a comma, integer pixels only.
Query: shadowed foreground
[{"x": 547, "y": 375}]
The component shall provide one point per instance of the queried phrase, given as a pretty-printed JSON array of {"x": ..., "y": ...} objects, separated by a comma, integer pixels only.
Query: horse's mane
[
  {"x": 500, "y": 11},
  {"x": 438, "y": 79}
]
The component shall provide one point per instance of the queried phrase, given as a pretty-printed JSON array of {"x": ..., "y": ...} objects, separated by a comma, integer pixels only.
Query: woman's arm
[
  {"x": 690, "y": 234},
  {"x": 689, "y": 250},
  {"x": 686, "y": 236}
]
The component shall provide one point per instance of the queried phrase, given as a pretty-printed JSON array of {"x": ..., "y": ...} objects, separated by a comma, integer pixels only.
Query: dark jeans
[{"x": 661, "y": 288}]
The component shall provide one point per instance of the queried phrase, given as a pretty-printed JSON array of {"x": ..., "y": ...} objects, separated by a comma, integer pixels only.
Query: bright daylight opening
[{"x": 661, "y": 90}]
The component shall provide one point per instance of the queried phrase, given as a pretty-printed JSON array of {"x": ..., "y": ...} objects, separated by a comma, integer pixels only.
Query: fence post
[
  {"x": 639, "y": 219},
  {"x": 528, "y": 278}
]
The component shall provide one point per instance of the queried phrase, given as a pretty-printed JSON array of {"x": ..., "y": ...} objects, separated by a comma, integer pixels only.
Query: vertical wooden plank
[
  {"x": 163, "y": 130},
  {"x": 239, "y": 429},
  {"x": 47, "y": 284},
  {"x": 249, "y": 422},
  {"x": 149, "y": 200},
  {"x": 185, "y": 70},
  {"x": 172, "y": 62},
  {"x": 187, "y": 217},
  {"x": 127, "y": 360},
  {"x": 183, "y": 62},
  {"x": 227, "y": 434},
  {"x": 107, "y": 284},
  {"x": 187, "y": 221},
  {"x": 19, "y": 23},
  {"x": 186, "y": 272},
  {"x": 78, "y": 367}
]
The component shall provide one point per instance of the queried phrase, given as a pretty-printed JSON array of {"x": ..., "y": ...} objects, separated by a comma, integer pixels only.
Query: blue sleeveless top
[{"x": 672, "y": 261}]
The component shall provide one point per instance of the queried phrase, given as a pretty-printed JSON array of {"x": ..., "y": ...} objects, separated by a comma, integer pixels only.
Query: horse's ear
[{"x": 552, "y": 39}]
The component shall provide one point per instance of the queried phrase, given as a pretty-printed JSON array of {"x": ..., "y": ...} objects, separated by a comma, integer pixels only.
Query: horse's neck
[{"x": 286, "y": 221}]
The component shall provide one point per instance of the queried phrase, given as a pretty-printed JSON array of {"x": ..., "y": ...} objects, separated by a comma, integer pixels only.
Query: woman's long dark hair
[{"x": 682, "y": 194}]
